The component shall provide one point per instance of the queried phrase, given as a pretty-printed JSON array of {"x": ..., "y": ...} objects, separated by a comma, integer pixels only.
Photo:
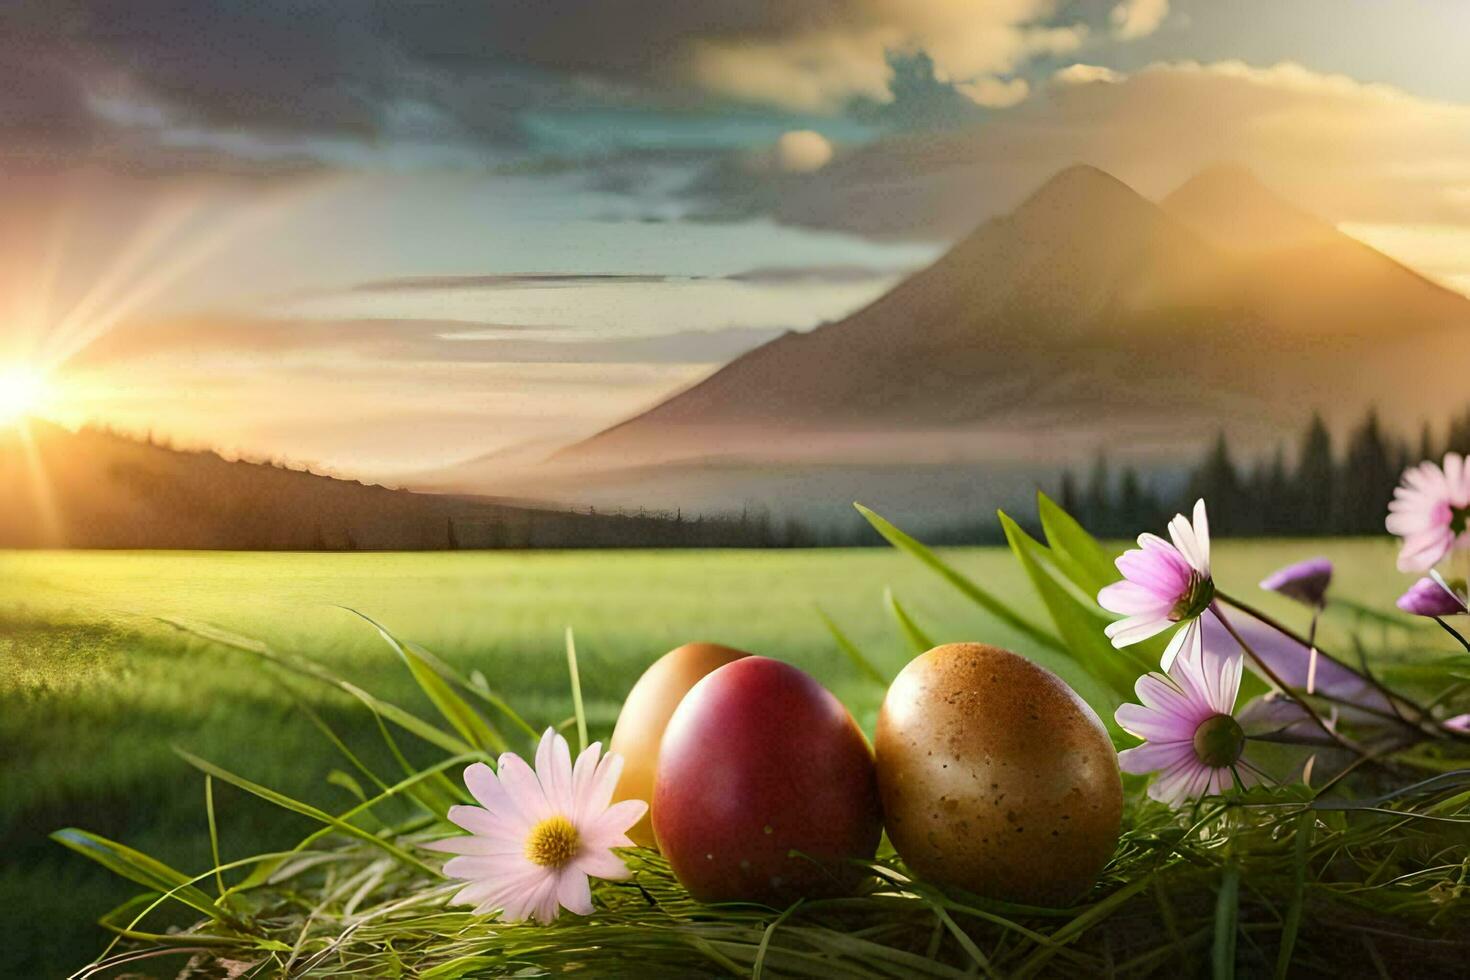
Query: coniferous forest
[{"x": 1322, "y": 486}]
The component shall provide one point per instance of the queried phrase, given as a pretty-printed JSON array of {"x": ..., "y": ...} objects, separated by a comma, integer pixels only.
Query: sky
[{"x": 383, "y": 237}]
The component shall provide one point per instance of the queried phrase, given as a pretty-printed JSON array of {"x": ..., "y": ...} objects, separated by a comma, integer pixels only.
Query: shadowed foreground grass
[{"x": 96, "y": 691}]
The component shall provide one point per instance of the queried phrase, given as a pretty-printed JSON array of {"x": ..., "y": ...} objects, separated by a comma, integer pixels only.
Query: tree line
[{"x": 1323, "y": 489}]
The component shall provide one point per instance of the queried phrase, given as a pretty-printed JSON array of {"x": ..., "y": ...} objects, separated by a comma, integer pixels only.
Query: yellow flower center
[{"x": 552, "y": 842}]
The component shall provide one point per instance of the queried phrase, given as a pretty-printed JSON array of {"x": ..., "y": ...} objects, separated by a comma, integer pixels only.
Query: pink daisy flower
[
  {"x": 1163, "y": 585},
  {"x": 537, "y": 836},
  {"x": 1430, "y": 510},
  {"x": 1191, "y": 736}
]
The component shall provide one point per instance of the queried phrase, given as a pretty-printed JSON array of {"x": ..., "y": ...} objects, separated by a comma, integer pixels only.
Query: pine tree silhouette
[
  {"x": 1315, "y": 478},
  {"x": 1135, "y": 507},
  {"x": 1217, "y": 482},
  {"x": 1067, "y": 495},
  {"x": 1367, "y": 479},
  {"x": 1426, "y": 445},
  {"x": 1098, "y": 509}
]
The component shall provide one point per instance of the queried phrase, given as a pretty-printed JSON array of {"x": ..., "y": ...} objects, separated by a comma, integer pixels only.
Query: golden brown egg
[
  {"x": 996, "y": 777},
  {"x": 646, "y": 714}
]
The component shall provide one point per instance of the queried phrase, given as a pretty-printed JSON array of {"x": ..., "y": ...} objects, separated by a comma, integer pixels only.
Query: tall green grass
[{"x": 97, "y": 690}]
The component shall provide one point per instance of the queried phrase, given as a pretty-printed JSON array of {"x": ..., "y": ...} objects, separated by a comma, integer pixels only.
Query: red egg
[{"x": 758, "y": 761}]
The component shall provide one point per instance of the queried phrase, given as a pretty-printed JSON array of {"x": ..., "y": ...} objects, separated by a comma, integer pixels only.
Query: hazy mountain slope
[
  {"x": 943, "y": 348},
  {"x": 1300, "y": 270},
  {"x": 1229, "y": 206},
  {"x": 98, "y": 490},
  {"x": 1088, "y": 308}
]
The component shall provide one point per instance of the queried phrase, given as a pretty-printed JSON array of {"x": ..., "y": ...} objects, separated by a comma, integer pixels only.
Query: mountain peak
[
  {"x": 1229, "y": 204},
  {"x": 1077, "y": 183}
]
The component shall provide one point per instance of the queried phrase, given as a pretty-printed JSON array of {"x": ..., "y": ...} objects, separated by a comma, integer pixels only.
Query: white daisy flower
[{"x": 538, "y": 836}]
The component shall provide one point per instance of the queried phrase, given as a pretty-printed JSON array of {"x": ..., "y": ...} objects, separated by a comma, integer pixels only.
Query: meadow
[{"x": 97, "y": 689}]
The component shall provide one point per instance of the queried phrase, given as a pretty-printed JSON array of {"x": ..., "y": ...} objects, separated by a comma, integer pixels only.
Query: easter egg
[
  {"x": 996, "y": 777},
  {"x": 759, "y": 761},
  {"x": 646, "y": 713}
]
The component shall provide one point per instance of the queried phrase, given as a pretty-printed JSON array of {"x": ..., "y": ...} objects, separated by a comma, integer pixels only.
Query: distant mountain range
[
  {"x": 95, "y": 489},
  {"x": 1088, "y": 317}
]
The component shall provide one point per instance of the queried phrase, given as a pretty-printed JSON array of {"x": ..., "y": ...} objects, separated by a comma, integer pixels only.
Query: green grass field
[{"x": 95, "y": 691}]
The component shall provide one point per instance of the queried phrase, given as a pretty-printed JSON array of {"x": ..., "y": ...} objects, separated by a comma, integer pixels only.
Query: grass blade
[
  {"x": 979, "y": 596},
  {"x": 460, "y": 714},
  {"x": 1227, "y": 914},
  {"x": 305, "y": 809},
  {"x": 477, "y": 685},
  {"x": 219, "y": 878},
  {"x": 138, "y": 867},
  {"x": 404, "y": 719},
  {"x": 576, "y": 680},
  {"x": 917, "y": 639},
  {"x": 863, "y": 664},
  {"x": 1081, "y": 627},
  {"x": 1293, "y": 921},
  {"x": 758, "y": 969},
  {"x": 1078, "y": 555}
]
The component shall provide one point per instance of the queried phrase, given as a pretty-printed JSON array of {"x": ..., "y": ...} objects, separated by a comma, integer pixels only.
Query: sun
[{"x": 24, "y": 392}]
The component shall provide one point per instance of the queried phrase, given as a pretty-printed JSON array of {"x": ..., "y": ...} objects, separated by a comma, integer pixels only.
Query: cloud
[
  {"x": 997, "y": 93},
  {"x": 802, "y": 151},
  {"x": 793, "y": 274},
  {"x": 513, "y": 280},
  {"x": 1138, "y": 18},
  {"x": 276, "y": 81},
  {"x": 1347, "y": 150},
  {"x": 407, "y": 342},
  {"x": 1080, "y": 74},
  {"x": 207, "y": 84},
  {"x": 822, "y": 61}
]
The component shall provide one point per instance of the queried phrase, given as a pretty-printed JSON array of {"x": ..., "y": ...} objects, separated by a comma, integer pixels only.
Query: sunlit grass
[{"x": 96, "y": 692}]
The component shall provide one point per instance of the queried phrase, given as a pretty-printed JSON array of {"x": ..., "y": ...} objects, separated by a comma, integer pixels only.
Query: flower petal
[
  {"x": 1154, "y": 756},
  {"x": 1187, "y": 642},
  {"x": 544, "y": 907},
  {"x": 1202, "y": 536},
  {"x": 495, "y": 867},
  {"x": 573, "y": 891},
  {"x": 523, "y": 788},
  {"x": 1155, "y": 726},
  {"x": 1181, "y": 532},
  {"x": 1133, "y": 599},
  {"x": 476, "y": 845},
  {"x": 1172, "y": 786},
  {"x": 604, "y": 781},
  {"x": 485, "y": 787},
  {"x": 601, "y": 863},
  {"x": 1134, "y": 629},
  {"x": 610, "y": 828},
  {"x": 554, "y": 771}
]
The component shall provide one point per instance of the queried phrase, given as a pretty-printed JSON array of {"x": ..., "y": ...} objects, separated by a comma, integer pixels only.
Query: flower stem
[
  {"x": 1285, "y": 630},
  {"x": 1453, "y": 632},
  {"x": 1281, "y": 685},
  {"x": 1312, "y": 650}
]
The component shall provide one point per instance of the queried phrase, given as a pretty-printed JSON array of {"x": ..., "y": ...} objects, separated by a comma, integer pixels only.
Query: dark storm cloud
[
  {"x": 368, "y": 69},
  {"x": 78, "y": 73},
  {"x": 78, "y": 76}
]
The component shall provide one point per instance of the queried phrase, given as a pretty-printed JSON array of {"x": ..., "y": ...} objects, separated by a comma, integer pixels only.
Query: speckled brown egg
[
  {"x": 996, "y": 777},
  {"x": 646, "y": 714}
]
